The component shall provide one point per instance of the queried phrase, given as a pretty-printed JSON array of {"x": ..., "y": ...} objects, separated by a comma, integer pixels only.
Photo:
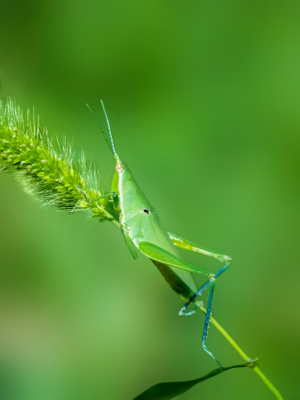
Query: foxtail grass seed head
[{"x": 46, "y": 168}]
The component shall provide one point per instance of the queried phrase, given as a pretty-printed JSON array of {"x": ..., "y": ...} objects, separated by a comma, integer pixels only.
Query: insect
[{"x": 144, "y": 233}]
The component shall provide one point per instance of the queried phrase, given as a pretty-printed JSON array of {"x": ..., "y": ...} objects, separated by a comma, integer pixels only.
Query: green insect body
[{"x": 144, "y": 233}]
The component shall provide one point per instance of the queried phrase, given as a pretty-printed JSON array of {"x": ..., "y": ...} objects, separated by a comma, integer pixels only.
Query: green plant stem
[{"x": 233, "y": 343}]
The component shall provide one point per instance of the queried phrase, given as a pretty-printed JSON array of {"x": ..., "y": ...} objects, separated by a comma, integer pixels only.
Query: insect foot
[
  {"x": 226, "y": 259},
  {"x": 183, "y": 311}
]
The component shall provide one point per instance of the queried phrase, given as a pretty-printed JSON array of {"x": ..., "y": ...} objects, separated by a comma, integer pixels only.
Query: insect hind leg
[
  {"x": 207, "y": 318},
  {"x": 191, "y": 300},
  {"x": 199, "y": 291},
  {"x": 210, "y": 282}
]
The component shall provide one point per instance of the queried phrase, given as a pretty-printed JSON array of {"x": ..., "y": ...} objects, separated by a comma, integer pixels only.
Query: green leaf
[{"x": 170, "y": 390}]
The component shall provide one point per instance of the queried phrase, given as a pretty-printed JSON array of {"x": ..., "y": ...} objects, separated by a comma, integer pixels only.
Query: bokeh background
[{"x": 203, "y": 99}]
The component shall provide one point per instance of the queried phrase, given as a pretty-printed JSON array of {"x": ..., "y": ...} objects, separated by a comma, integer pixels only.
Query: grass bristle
[{"x": 46, "y": 169}]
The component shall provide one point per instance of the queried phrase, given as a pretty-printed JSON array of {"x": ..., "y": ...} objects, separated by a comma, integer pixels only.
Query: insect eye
[
  {"x": 146, "y": 211},
  {"x": 119, "y": 167}
]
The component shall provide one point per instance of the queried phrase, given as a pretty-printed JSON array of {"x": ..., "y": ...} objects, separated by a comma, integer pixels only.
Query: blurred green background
[{"x": 203, "y": 99}]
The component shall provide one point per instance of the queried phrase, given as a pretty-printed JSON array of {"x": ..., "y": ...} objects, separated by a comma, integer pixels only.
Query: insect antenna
[
  {"x": 108, "y": 125},
  {"x": 111, "y": 147}
]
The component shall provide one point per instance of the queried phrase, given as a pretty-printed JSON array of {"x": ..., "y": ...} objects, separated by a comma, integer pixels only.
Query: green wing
[{"x": 157, "y": 253}]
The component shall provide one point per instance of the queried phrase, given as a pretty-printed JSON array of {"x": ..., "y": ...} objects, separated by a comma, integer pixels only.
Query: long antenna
[
  {"x": 112, "y": 149},
  {"x": 108, "y": 125}
]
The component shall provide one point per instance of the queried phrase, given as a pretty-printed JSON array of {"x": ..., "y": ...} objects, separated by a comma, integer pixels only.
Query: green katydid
[{"x": 144, "y": 233}]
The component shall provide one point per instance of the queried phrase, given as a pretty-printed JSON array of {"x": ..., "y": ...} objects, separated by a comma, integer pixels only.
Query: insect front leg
[{"x": 113, "y": 195}]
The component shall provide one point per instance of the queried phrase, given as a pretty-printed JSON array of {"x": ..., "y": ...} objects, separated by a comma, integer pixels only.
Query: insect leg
[
  {"x": 207, "y": 318},
  {"x": 187, "y": 245},
  {"x": 113, "y": 195},
  {"x": 158, "y": 254},
  {"x": 192, "y": 298},
  {"x": 210, "y": 282},
  {"x": 199, "y": 291}
]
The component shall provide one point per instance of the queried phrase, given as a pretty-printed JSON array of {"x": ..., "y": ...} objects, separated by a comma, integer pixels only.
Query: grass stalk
[{"x": 244, "y": 356}]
